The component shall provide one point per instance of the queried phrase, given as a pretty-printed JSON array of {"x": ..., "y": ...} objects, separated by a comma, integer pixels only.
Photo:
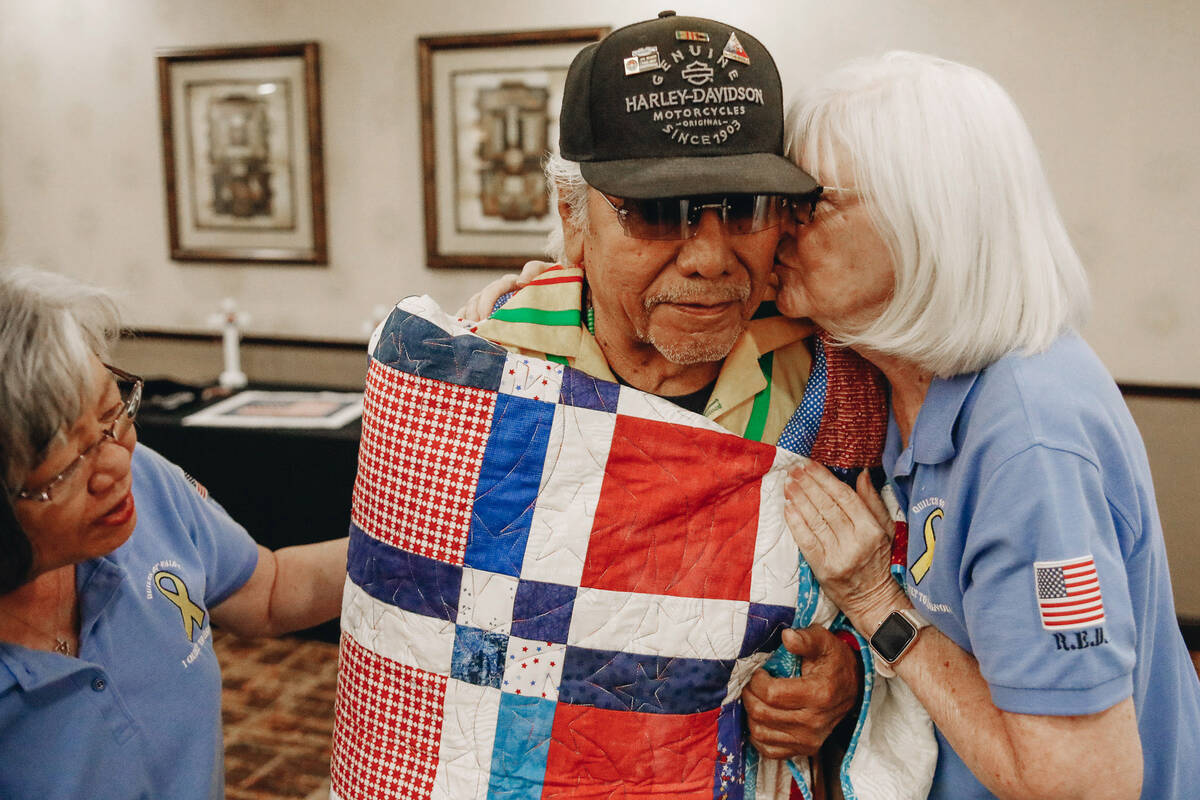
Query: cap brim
[{"x": 749, "y": 173}]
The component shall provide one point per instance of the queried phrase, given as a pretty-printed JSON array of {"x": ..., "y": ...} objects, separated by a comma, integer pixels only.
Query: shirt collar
[
  {"x": 98, "y": 581},
  {"x": 932, "y": 440}
]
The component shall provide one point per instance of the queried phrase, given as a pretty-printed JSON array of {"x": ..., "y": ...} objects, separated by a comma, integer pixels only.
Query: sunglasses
[{"x": 676, "y": 218}]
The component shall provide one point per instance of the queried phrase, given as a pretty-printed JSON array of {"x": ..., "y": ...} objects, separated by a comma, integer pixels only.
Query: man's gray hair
[
  {"x": 567, "y": 185},
  {"x": 951, "y": 176},
  {"x": 50, "y": 327}
]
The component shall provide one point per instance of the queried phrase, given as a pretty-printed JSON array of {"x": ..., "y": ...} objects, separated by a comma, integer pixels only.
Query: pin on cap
[
  {"x": 644, "y": 59},
  {"x": 733, "y": 49},
  {"x": 661, "y": 109}
]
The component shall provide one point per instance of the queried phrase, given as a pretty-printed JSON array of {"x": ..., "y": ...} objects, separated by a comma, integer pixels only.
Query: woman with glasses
[
  {"x": 1035, "y": 622},
  {"x": 113, "y": 566}
]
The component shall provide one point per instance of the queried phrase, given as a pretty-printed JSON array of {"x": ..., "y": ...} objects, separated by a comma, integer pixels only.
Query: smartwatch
[{"x": 894, "y": 637}]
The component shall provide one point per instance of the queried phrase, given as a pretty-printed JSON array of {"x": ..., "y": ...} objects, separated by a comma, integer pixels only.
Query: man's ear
[{"x": 572, "y": 235}]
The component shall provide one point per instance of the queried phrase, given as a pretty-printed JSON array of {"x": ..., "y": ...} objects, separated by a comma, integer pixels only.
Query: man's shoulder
[
  {"x": 560, "y": 288},
  {"x": 544, "y": 317}
]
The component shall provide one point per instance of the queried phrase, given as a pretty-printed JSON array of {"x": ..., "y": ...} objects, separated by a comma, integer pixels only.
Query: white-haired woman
[
  {"x": 112, "y": 565},
  {"x": 1054, "y": 665}
]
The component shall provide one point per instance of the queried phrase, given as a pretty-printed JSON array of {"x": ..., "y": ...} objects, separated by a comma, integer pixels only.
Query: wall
[
  {"x": 1107, "y": 86},
  {"x": 1170, "y": 427}
]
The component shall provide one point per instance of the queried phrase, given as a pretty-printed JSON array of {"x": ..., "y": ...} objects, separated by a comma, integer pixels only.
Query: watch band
[{"x": 894, "y": 637}]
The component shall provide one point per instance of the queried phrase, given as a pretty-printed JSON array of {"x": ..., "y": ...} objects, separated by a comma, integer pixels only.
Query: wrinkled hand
[
  {"x": 846, "y": 537},
  {"x": 790, "y": 717},
  {"x": 481, "y": 303}
]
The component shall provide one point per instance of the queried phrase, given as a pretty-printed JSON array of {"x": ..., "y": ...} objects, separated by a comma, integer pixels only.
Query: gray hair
[
  {"x": 567, "y": 185},
  {"x": 50, "y": 328},
  {"x": 950, "y": 173}
]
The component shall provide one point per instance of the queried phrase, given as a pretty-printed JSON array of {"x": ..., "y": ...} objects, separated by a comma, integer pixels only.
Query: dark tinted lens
[
  {"x": 678, "y": 218},
  {"x": 657, "y": 218},
  {"x": 750, "y": 213}
]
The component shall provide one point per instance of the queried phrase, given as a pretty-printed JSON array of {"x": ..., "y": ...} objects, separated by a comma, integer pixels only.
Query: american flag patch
[
  {"x": 197, "y": 485},
  {"x": 1068, "y": 593}
]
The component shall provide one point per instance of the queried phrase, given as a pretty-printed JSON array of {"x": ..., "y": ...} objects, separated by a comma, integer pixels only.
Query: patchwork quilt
[{"x": 558, "y": 587}]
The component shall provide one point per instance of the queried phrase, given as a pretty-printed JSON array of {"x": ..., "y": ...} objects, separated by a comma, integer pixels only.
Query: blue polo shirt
[
  {"x": 1035, "y": 544},
  {"x": 138, "y": 713}
]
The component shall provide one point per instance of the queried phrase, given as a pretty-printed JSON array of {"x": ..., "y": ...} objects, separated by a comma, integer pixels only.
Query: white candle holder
[{"x": 230, "y": 320}]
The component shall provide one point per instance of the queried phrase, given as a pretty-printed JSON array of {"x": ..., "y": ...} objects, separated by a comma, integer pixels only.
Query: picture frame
[
  {"x": 242, "y": 153},
  {"x": 489, "y": 113}
]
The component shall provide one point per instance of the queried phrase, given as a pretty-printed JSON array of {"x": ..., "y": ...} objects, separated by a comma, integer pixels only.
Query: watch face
[{"x": 893, "y": 636}]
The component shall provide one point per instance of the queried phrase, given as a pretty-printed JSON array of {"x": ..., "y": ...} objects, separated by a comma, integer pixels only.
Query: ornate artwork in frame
[
  {"x": 489, "y": 113},
  {"x": 242, "y": 151}
]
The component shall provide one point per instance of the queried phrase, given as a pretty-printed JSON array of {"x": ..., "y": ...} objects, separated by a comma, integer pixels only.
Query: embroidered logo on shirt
[
  {"x": 1068, "y": 593},
  {"x": 174, "y": 589},
  {"x": 920, "y": 567}
]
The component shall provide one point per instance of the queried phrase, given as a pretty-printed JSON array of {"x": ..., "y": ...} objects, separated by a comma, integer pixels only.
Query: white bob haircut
[
  {"x": 50, "y": 327},
  {"x": 950, "y": 173},
  {"x": 566, "y": 183}
]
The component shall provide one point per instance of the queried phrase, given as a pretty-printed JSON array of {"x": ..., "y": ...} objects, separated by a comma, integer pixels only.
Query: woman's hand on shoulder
[{"x": 480, "y": 305}]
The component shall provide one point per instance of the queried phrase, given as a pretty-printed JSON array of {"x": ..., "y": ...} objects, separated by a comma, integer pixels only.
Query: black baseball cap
[{"x": 678, "y": 106}]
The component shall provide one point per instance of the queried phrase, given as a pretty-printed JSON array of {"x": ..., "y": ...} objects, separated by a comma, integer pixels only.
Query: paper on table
[{"x": 267, "y": 409}]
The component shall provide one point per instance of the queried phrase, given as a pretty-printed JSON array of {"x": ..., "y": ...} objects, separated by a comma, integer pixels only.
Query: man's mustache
[{"x": 699, "y": 294}]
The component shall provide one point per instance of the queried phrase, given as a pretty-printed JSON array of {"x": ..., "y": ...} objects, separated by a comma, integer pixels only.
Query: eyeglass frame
[
  {"x": 817, "y": 195},
  {"x": 789, "y": 202},
  {"x": 128, "y": 412},
  {"x": 720, "y": 204}
]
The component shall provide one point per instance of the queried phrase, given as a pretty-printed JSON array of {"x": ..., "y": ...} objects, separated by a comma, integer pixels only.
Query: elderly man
[{"x": 672, "y": 189}]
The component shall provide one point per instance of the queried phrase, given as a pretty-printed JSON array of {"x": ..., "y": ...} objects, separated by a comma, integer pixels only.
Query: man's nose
[{"x": 709, "y": 253}]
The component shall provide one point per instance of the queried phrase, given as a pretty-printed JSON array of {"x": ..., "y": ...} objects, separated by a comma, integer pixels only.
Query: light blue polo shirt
[
  {"x": 138, "y": 714},
  {"x": 1024, "y": 486}
]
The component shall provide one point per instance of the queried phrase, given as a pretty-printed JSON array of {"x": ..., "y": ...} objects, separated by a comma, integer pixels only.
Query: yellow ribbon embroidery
[
  {"x": 192, "y": 613},
  {"x": 923, "y": 563}
]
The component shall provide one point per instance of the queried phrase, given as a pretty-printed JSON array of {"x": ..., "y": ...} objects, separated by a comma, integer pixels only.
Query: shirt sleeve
[
  {"x": 1042, "y": 534},
  {"x": 224, "y": 547}
]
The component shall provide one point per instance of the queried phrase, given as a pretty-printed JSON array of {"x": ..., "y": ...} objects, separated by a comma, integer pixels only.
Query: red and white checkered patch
[
  {"x": 417, "y": 470},
  {"x": 389, "y": 727}
]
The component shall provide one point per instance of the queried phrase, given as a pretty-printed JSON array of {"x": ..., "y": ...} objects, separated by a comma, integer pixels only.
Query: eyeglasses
[
  {"x": 676, "y": 218},
  {"x": 804, "y": 208},
  {"x": 61, "y": 485}
]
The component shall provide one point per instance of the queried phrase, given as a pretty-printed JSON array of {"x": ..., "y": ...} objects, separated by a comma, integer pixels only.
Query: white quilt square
[
  {"x": 533, "y": 669},
  {"x": 414, "y": 640},
  {"x": 659, "y": 625},
  {"x": 468, "y": 733},
  {"x": 742, "y": 670},
  {"x": 576, "y": 454},
  {"x": 531, "y": 377},
  {"x": 485, "y": 600},
  {"x": 776, "y": 568},
  {"x": 632, "y": 403}
]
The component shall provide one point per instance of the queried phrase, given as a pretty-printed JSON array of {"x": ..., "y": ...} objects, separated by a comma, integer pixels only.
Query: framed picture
[
  {"x": 267, "y": 409},
  {"x": 489, "y": 113},
  {"x": 241, "y": 131}
]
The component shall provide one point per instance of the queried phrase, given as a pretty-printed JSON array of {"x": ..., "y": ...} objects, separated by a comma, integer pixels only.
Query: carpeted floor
[{"x": 278, "y": 712}]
